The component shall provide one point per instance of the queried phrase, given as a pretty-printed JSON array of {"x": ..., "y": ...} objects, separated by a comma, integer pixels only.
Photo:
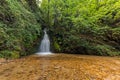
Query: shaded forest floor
[{"x": 61, "y": 67}]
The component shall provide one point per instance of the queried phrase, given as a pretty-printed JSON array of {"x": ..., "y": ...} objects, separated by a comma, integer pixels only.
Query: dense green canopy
[
  {"x": 75, "y": 26},
  {"x": 83, "y": 26},
  {"x": 19, "y": 28}
]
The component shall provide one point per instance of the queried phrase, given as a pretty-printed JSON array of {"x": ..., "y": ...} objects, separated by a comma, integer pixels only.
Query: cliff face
[{"x": 19, "y": 27}]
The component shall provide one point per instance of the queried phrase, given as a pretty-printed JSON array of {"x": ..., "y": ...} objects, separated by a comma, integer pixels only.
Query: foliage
[
  {"x": 19, "y": 28},
  {"x": 83, "y": 26},
  {"x": 9, "y": 54},
  {"x": 75, "y": 26}
]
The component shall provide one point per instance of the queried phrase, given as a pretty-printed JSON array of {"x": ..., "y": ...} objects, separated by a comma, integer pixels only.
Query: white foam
[{"x": 43, "y": 53}]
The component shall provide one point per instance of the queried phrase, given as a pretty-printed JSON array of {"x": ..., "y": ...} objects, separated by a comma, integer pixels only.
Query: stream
[{"x": 61, "y": 67}]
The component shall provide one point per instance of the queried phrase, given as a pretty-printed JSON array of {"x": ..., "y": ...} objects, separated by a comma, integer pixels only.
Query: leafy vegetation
[
  {"x": 83, "y": 26},
  {"x": 75, "y": 26},
  {"x": 19, "y": 28}
]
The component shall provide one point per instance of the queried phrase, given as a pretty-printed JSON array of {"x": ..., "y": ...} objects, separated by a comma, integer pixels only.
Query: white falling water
[{"x": 45, "y": 44}]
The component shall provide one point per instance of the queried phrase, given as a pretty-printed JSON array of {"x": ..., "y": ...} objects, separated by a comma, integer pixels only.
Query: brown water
[{"x": 61, "y": 67}]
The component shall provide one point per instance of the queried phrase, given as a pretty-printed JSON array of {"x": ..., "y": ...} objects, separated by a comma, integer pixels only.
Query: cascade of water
[{"x": 45, "y": 44}]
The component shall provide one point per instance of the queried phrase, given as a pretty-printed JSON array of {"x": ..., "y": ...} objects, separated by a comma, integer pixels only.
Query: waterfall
[{"x": 45, "y": 44}]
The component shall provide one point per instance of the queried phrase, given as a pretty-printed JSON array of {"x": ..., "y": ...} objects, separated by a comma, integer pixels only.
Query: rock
[
  {"x": 2, "y": 60},
  {"x": 57, "y": 67}
]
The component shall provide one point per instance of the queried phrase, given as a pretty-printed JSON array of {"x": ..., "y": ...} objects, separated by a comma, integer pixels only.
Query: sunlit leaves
[
  {"x": 19, "y": 33},
  {"x": 71, "y": 19}
]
